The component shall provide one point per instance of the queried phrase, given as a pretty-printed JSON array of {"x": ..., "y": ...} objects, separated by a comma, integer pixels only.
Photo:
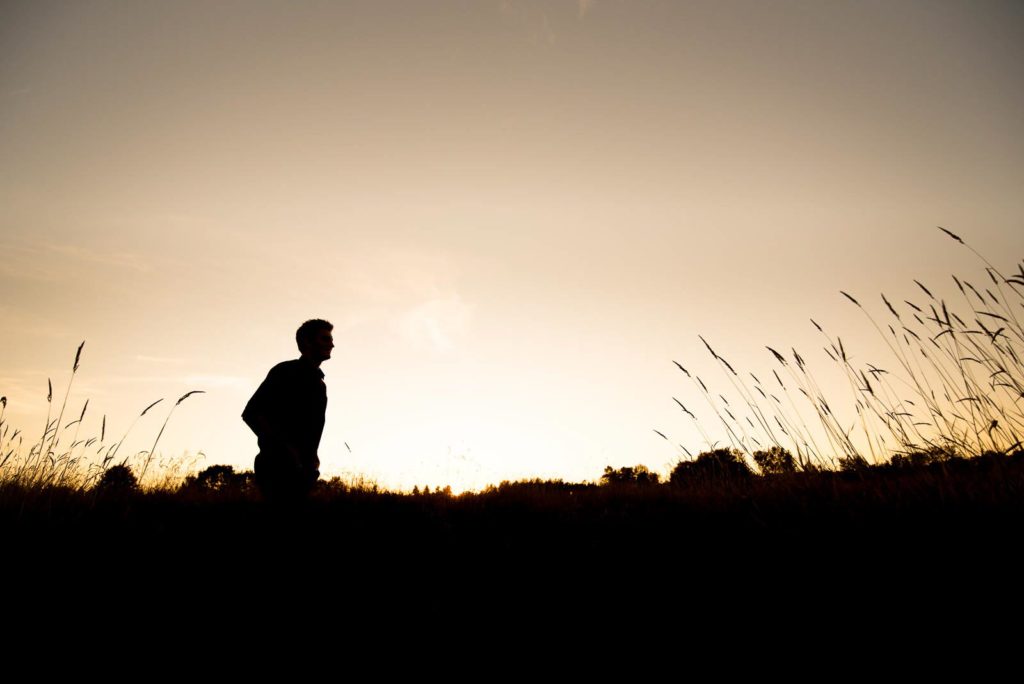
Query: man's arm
[{"x": 259, "y": 415}]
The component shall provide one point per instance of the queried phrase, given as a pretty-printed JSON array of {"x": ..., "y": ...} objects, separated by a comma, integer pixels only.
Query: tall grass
[
  {"x": 955, "y": 388},
  {"x": 59, "y": 459}
]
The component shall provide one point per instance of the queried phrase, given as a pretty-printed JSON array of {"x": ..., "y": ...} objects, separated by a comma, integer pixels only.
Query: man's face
[{"x": 321, "y": 345}]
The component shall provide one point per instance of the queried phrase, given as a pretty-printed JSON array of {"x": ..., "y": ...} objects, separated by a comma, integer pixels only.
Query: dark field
[{"x": 932, "y": 539}]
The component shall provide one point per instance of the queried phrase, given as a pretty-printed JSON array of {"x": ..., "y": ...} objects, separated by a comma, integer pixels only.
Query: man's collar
[{"x": 307, "y": 364}]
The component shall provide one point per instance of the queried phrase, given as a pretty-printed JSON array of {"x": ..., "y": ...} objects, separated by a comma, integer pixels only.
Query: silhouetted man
[{"x": 287, "y": 415}]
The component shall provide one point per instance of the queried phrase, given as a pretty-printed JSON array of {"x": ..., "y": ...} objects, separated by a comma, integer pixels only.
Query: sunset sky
[{"x": 516, "y": 214}]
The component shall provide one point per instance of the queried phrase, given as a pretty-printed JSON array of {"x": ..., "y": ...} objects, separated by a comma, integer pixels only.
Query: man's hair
[{"x": 308, "y": 331}]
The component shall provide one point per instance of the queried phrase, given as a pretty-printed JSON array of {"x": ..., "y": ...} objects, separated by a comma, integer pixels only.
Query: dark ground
[{"x": 883, "y": 546}]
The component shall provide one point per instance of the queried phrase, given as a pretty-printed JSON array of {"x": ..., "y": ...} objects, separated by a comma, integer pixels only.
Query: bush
[
  {"x": 117, "y": 479},
  {"x": 719, "y": 466},
  {"x": 636, "y": 475},
  {"x": 915, "y": 459},
  {"x": 775, "y": 461},
  {"x": 219, "y": 478},
  {"x": 853, "y": 464}
]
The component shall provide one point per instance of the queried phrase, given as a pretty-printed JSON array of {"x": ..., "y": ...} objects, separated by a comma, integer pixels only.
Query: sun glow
[{"x": 461, "y": 449}]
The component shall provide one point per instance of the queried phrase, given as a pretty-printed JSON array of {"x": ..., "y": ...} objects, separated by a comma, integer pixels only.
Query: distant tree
[
  {"x": 917, "y": 459},
  {"x": 218, "y": 478},
  {"x": 635, "y": 475},
  {"x": 719, "y": 466},
  {"x": 117, "y": 480},
  {"x": 775, "y": 461},
  {"x": 853, "y": 464},
  {"x": 537, "y": 488}
]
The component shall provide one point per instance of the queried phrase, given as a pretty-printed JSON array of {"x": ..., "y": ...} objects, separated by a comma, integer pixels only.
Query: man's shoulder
[
  {"x": 294, "y": 368},
  {"x": 288, "y": 365},
  {"x": 285, "y": 369}
]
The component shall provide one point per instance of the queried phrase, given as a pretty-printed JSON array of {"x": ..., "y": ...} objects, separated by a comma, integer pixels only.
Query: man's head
[{"x": 315, "y": 340}]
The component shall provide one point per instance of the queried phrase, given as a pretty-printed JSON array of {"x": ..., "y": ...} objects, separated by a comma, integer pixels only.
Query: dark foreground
[{"x": 921, "y": 544}]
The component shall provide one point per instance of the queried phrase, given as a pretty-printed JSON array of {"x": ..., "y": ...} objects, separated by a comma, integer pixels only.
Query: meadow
[{"x": 923, "y": 490}]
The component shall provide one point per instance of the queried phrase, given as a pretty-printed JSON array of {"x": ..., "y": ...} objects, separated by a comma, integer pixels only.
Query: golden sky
[{"x": 516, "y": 214}]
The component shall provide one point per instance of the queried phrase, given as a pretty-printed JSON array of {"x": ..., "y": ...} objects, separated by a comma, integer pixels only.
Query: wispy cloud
[
  {"x": 158, "y": 359},
  {"x": 193, "y": 380},
  {"x": 437, "y": 323},
  {"x": 51, "y": 262},
  {"x": 78, "y": 253},
  {"x": 215, "y": 380},
  {"x": 415, "y": 293},
  {"x": 31, "y": 322},
  {"x": 23, "y": 392}
]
